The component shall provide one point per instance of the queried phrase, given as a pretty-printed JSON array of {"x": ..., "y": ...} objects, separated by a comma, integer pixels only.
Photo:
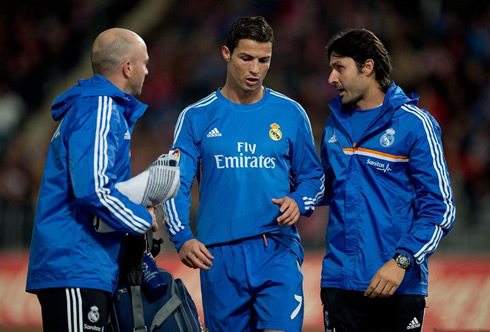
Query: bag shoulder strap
[
  {"x": 132, "y": 271},
  {"x": 172, "y": 304},
  {"x": 137, "y": 309}
]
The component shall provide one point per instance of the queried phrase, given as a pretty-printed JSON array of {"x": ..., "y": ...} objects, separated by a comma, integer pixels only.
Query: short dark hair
[
  {"x": 254, "y": 28},
  {"x": 361, "y": 45}
]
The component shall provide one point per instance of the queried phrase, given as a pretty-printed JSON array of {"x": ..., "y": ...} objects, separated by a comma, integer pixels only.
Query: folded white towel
[{"x": 157, "y": 184}]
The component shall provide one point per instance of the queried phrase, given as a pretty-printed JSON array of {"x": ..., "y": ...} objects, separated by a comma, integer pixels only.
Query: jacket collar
[
  {"x": 393, "y": 100},
  {"x": 98, "y": 85}
]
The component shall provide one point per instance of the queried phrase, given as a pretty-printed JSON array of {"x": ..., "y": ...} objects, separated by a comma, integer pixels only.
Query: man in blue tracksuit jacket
[
  {"x": 81, "y": 218},
  {"x": 388, "y": 190}
]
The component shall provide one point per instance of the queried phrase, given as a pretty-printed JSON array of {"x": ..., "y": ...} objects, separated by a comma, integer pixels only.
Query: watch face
[{"x": 403, "y": 261}]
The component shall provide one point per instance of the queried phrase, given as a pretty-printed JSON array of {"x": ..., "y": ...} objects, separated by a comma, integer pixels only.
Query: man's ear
[
  {"x": 127, "y": 69},
  {"x": 226, "y": 53},
  {"x": 368, "y": 67}
]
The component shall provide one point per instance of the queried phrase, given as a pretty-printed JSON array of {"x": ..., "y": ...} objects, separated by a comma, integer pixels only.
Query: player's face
[
  {"x": 140, "y": 66},
  {"x": 248, "y": 64},
  {"x": 351, "y": 84}
]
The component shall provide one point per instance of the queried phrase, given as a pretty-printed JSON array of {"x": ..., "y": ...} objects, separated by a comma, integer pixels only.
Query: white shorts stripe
[
  {"x": 80, "y": 310},
  {"x": 74, "y": 311},
  {"x": 68, "y": 309}
]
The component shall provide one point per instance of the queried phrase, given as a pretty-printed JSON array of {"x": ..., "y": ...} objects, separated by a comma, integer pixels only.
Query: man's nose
[
  {"x": 254, "y": 67},
  {"x": 332, "y": 78}
]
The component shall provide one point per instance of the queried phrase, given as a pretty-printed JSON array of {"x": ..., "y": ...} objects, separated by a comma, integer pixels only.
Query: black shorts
[
  {"x": 351, "y": 311},
  {"x": 74, "y": 309}
]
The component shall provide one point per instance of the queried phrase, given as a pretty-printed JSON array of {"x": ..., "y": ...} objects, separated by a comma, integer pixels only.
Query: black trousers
[
  {"x": 351, "y": 311},
  {"x": 74, "y": 309}
]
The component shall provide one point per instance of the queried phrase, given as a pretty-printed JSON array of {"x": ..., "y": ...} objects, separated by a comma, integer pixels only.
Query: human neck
[
  {"x": 373, "y": 98},
  {"x": 117, "y": 81},
  {"x": 239, "y": 96}
]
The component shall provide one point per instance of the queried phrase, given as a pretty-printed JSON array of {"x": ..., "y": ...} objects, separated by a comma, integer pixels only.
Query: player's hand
[
  {"x": 386, "y": 280},
  {"x": 154, "y": 225},
  {"x": 194, "y": 254},
  {"x": 289, "y": 211}
]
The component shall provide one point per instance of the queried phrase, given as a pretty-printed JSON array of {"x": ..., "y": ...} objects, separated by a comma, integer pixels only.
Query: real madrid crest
[
  {"x": 93, "y": 314},
  {"x": 387, "y": 138},
  {"x": 275, "y": 133}
]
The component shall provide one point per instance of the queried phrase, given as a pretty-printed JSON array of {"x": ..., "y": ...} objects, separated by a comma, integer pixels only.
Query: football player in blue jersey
[
  {"x": 253, "y": 153},
  {"x": 389, "y": 193}
]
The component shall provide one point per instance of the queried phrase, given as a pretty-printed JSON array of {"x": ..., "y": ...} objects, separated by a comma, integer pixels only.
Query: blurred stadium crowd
[{"x": 440, "y": 50}]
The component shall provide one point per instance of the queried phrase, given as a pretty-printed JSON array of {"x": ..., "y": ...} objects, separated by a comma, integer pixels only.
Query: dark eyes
[{"x": 261, "y": 60}]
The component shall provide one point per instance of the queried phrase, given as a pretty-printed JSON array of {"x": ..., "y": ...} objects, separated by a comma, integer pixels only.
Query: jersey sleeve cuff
[
  {"x": 181, "y": 237},
  {"x": 301, "y": 206}
]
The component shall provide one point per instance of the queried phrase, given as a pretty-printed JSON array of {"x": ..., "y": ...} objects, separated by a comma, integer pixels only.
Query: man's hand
[
  {"x": 154, "y": 225},
  {"x": 289, "y": 211},
  {"x": 194, "y": 254},
  {"x": 386, "y": 280}
]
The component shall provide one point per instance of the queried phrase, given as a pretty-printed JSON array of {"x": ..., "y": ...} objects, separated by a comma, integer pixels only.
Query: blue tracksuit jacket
[
  {"x": 88, "y": 154},
  {"x": 389, "y": 192}
]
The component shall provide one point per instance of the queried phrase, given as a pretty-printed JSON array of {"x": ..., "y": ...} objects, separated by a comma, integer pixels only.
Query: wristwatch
[{"x": 402, "y": 261}]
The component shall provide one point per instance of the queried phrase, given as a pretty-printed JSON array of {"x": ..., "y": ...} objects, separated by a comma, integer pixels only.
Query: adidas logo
[
  {"x": 333, "y": 139},
  {"x": 413, "y": 324},
  {"x": 127, "y": 135},
  {"x": 214, "y": 133}
]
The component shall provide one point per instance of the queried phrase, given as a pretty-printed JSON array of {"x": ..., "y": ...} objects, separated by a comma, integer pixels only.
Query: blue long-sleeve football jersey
[{"x": 244, "y": 156}]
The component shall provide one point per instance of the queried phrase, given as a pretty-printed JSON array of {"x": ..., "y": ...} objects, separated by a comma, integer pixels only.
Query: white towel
[{"x": 155, "y": 185}]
